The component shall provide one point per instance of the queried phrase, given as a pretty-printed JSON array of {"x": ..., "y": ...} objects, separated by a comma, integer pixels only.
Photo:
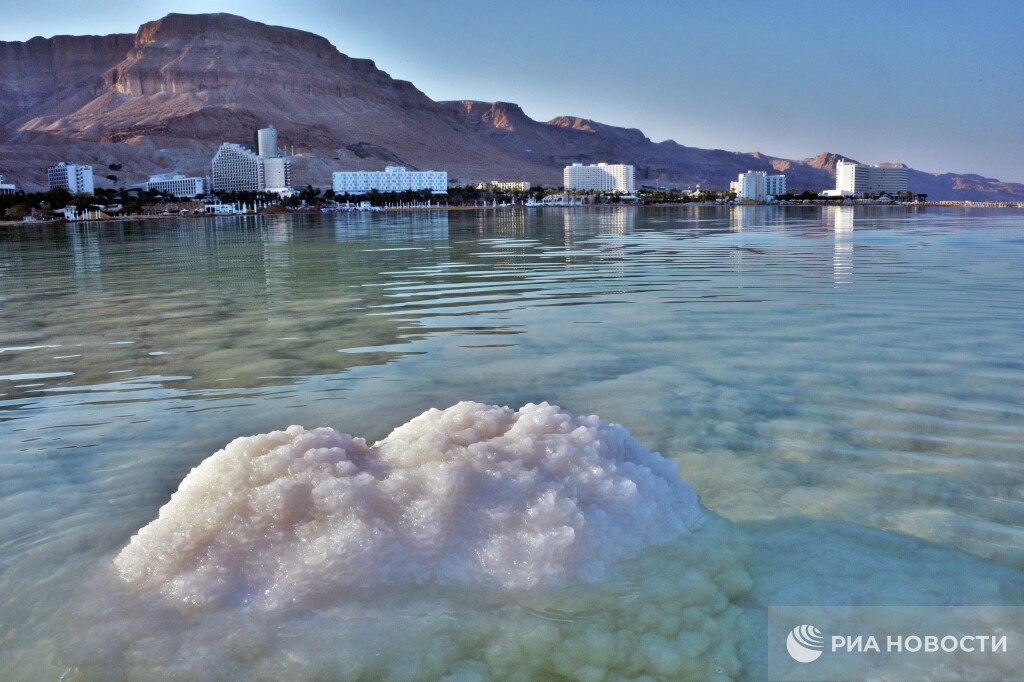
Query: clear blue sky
[{"x": 936, "y": 84}]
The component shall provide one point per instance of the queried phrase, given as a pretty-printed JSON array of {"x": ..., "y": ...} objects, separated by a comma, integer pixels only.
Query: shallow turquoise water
[{"x": 844, "y": 385}]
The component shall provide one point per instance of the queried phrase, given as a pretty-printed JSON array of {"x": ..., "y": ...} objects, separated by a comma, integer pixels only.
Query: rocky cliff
[
  {"x": 55, "y": 75},
  {"x": 165, "y": 98}
]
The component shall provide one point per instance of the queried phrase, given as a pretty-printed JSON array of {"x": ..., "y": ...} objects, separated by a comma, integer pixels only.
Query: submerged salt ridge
[{"x": 472, "y": 496}]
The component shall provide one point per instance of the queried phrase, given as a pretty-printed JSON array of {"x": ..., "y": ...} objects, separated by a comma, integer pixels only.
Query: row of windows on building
[
  {"x": 758, "y": 186},
  {"x": 391, "y": 179},
  {"x": 600, "y": 177},
  {"x": 858, "y": 179}
]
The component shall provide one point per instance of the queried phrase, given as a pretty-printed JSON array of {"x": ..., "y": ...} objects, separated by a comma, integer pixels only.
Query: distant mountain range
[{"x": 163, "y": 99}]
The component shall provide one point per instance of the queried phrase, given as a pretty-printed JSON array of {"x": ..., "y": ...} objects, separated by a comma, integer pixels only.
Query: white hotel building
[
  {"x": 505, "y": 185},
  {"x": 6, "y": 189},
  {"x": 860, "y": 179},
  {"x": 75, "y": 178},
  {"x": 239, "y": 169},
  {"x": 391, "y": 179},
  {"x": 178, "y": 185},
  {"x": 758, "y": 186},
  {"x": 277, "y": 174},
  {"x": 602, "y": 177}
]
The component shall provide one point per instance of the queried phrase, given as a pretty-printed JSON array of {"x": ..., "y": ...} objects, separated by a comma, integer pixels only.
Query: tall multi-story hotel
[
  {"x": 75, "y": 178},
  {"x": 391, "y": 179},
  {"x": 239, "y": 169},
  {"x": 602, "y": 177},
  {"x": 758, "y": 186},
  {"x": 266, "y": 142},
  {"x": 178, "y": 185},
  {"x": 277, "y": 174},
  {"x": 860, "y": 179},
  {"x": 6, "y": 189}
]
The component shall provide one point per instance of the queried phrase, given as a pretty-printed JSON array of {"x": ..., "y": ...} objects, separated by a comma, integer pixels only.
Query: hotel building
[
  {"x": 75, "y": 178},
  {"x": 6, "y": 189},
  {"x": 505, "y": 185},
  {"x": 239, "y": 169},
  {"x": 391, "y": 179},
  {"x": 860, "y": 179},
  {"x": 277, "y": 174},
  {"x": 266, "y": 142},
  {"x": 758, "y": 186},
  {"x": 178, "y": 185},
  {"x": 602, "y": 177}
]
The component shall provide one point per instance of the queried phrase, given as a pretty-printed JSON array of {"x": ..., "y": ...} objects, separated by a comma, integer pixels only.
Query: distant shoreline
[{"x": 121, "y": 219}]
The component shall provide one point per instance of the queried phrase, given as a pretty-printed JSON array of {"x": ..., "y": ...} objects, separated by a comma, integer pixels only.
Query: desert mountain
[{"x": 164, "y": 99}]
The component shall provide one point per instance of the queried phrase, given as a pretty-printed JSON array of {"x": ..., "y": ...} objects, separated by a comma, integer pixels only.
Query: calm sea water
[{"x": 845, "y": 386}]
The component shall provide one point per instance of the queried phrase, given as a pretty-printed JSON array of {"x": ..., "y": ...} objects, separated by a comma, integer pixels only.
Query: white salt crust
[
  {"x": 474, "y": 495},
  {"x": 474, "y": 543}
]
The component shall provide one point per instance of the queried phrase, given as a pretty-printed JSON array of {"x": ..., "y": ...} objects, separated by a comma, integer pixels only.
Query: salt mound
[
  {"x": 473, "y": 543},
  {"x": 474, "y": 496}
]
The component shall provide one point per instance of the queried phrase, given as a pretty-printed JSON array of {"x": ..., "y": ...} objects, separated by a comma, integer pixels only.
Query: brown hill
[
  {"x": 164, "y": 98},
  {"x": 193, "y": 81},
  {"x": 566, "y": 139}
]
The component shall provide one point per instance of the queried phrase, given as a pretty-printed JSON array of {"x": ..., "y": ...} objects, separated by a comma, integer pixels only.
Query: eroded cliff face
[
  {"x": 55, "y": 75},
  {"x": 188, "y": 80},
  {"x": 199, "y": 53},
  {"x": 182, "y": 70}
]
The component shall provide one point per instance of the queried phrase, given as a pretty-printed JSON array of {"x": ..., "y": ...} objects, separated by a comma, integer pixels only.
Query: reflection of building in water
[
  {"x": 842, "y": 246},
  {"x": 278, "y": 260},
  {"x": 501, "y": 223},
  {"x": 591, "y": 234},
  {"x": 85, "y": 246},
  {"x": 742, "y": 218},
  {"x": 225, "y": 250},
  {"x": 390, "y": 226},
  {"x": 589, "y": 222},
  {"x": 279, "y": 231}
]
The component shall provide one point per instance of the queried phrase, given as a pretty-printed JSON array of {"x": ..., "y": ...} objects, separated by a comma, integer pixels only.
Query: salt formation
[
  {"x": 476, "y": 542},
  {"x": 474, "y": 495}
]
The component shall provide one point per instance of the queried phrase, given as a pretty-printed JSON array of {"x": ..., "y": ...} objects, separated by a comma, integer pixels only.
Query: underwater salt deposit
[{"x": 502, "y": 544}]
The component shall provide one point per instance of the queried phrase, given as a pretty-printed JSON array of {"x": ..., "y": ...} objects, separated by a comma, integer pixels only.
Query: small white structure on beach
[{"x": 226, "y": 209}]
